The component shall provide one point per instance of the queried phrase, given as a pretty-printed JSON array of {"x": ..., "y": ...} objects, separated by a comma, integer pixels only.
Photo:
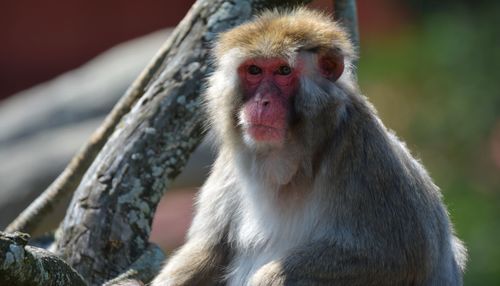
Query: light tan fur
[{"x": 284, "y": 33}]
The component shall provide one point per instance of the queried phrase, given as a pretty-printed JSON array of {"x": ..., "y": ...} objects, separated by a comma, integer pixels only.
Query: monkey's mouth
[{"x": 266, "y": 133}]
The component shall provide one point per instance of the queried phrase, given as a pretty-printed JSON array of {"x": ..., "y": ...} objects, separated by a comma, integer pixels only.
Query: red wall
[{"x": 40, "y": 39}]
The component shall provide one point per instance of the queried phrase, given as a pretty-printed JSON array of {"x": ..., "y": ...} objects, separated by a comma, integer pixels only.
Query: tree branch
[
  {"x": 108, "y": 223},
  {"x": 26, "y": 265}
]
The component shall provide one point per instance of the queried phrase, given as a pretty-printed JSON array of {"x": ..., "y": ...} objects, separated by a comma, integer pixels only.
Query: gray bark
[
  {"x": 143, "y": 269},
  {"x": 108, "y": 222},
  {"x": 25, "y": 265}
]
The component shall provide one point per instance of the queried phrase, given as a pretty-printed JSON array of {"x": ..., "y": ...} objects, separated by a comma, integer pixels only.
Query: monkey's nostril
[{"x": 264, "y": 102}]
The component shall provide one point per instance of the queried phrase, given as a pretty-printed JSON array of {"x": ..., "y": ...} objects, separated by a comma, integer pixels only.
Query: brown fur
[{"x": 280, "y": 34}]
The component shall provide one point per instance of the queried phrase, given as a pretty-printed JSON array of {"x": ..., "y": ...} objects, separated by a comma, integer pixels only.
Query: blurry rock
[
  {"x": 81, "y": 94},
  {"x": 41, "y": 128}
]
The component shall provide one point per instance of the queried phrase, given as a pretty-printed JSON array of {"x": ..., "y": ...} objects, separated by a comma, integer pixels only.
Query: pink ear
[{"x": 331, "y": 66}]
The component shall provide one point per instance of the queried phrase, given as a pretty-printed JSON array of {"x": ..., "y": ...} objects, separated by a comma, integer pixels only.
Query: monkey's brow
[{"x": 312, "y": 49}]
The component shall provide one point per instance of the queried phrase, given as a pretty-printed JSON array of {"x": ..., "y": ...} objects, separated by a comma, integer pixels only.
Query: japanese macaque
[{"x": 309, "y": 187}]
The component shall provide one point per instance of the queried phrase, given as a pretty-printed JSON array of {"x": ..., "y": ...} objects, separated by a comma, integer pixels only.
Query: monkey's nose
[{"x": 263, "y": 100}]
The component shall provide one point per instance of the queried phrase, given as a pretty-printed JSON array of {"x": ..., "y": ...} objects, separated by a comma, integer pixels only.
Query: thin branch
[{"x": 66, "y": 183}]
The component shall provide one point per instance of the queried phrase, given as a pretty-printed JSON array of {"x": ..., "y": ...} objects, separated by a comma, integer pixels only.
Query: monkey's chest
[
  {"x": 246, "y": 264},
  {"x": 250, "y": 258},
  {"x": 265, "y": 235}
]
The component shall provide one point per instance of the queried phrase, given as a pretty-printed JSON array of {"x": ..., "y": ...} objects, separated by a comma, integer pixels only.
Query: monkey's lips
[{"x": 265, "y": 133}]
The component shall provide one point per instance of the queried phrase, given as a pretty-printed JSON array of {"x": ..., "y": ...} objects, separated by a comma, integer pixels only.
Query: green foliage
[{"x": 437, "y": 84}]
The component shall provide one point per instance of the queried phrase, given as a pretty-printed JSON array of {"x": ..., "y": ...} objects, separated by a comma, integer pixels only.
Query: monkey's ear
[{"x": 331, "y": 66}]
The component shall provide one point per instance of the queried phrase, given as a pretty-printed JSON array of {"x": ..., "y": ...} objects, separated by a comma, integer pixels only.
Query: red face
[{"x": 269, "y": 86}]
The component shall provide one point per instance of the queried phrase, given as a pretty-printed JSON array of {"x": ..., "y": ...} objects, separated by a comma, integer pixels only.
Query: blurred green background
[{"x": 435, "y": 80}]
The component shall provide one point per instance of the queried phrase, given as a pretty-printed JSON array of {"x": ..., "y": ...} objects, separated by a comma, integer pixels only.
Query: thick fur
[{"x": 341, "y": 203}]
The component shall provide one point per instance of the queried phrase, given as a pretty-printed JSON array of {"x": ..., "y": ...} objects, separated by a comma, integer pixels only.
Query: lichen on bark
[{"x": 21, "y": 264}]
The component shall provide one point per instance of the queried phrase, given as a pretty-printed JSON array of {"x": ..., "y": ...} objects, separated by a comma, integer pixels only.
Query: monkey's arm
[
  {"x": 200, "y": 260},
  {"x": 323, "y": 263},
  {"x": 197, "y": 262}
]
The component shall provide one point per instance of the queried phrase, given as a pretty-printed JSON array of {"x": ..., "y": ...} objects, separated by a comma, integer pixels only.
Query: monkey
[{"x": 308, "y": 187}]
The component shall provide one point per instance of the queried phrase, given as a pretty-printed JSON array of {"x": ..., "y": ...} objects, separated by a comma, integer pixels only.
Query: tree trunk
[{"x": 108, "y": 222}]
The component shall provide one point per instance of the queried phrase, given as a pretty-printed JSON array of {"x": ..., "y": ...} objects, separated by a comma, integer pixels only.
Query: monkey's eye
[
  {"x": 254, "y": 70},
  {"x": 284, "y": 70}
]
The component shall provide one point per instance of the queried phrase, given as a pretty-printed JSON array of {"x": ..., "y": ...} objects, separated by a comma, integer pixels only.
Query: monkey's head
[{"x": 276, "y": 73}]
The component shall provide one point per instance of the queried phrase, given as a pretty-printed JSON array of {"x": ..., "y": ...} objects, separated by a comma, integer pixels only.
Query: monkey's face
[
  {"x": 269, "y": 89},
  {"x": 277, "y": 81}
]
